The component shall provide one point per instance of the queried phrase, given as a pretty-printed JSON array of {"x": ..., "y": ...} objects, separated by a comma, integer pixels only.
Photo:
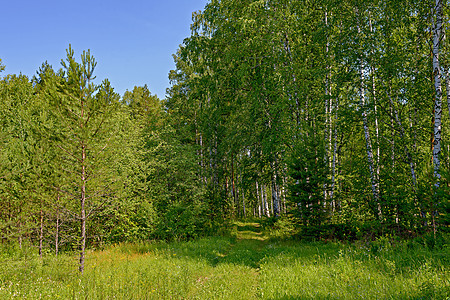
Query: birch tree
[{"x": 437, "y": 37}]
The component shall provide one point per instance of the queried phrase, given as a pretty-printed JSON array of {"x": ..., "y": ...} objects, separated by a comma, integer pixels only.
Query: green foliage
[
  {"x": 177, "y": 195},
  {"x": 182, "y": 222},
  {"x": 328, "y": 103},
  {"x": 308, "y": 172}
]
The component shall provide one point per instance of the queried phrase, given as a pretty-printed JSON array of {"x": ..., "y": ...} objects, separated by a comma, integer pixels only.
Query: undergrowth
[{"x": 246, "y": 265}]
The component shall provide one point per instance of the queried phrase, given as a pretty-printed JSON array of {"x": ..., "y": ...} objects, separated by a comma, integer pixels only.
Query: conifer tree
[{"x": 86, "y": 140}]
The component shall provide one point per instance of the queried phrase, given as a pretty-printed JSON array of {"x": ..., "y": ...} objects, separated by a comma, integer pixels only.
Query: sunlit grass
[
  {"x": 351, "y": 273},
  {"x": 243, "y": 266}
]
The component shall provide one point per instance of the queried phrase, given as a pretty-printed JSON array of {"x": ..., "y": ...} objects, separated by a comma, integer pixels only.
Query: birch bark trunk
[
  {"x": 437, "y": 36},
  {"x": 265, "y": 202},
  {"x": 275, "y": 200},
  {"x": 377, "y": 136},
  {"x": 276, "y": 208},
  {"x": 233, "y": 188},
  {"x": 328, "y": 128},
  {"x": 333, "y": 164},
  {"x": 369, "y": 149},
  {"x": 259, "y": 200},
  {"x": 243, "y": 204},
  {"x": 447, "y": 80},
  {"x": 437, "y": 32}
]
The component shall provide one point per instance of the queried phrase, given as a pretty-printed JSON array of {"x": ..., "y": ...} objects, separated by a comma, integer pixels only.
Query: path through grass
[{"x": 246, "y": 265}]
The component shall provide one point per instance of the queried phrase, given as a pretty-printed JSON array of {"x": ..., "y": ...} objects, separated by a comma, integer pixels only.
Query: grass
[{"x": 246, "y": 265}]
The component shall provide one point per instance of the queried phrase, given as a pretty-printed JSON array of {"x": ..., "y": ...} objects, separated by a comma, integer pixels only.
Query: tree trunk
[
  {"x": 233, "y": 188},
  {"x": 83, "y": 210},
  {"x": 377, "y": 141},
  {"x": 276, "y": 207},
  {"x": 333, "y": 164},
  {"x": 265, "y": 202},
  {"x": 448, "y": 90},
  {"x": 362, "y": 105},
  {"x": 369, "y": 150},
  {"x": 407, "y": 152},
  {"x": 259, "y": 200},
  {"x": 243, "y": 204},
  {"x": 437, "y": 35},
  {"x": 327, "y": 133},
  {"x": 275, "y": 199}
]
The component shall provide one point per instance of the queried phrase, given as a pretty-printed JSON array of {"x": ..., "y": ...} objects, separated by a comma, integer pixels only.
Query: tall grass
[
  {"x": 351, "y": 272},
  {"x": 244, "y": 266}
]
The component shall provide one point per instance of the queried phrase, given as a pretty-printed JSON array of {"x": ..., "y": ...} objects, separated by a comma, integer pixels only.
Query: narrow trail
[
  {"x": 250, "y": 231},
  {"x": 249, "y": 246}
]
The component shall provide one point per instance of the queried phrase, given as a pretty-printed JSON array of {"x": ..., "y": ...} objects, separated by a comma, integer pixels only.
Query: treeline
[
  {"x": 328, "y": 112},
  {"x": 82, "y": 166}
]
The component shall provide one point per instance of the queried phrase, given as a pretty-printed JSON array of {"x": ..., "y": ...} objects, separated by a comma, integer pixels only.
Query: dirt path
[{"x": 249, "y": 246}]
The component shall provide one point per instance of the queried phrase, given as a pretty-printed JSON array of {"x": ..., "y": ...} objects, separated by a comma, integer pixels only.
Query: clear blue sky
[{"x": 132, "y": 40}]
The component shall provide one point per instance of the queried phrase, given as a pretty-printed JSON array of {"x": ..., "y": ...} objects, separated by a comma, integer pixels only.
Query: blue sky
[{"x": 132, "y": 40}]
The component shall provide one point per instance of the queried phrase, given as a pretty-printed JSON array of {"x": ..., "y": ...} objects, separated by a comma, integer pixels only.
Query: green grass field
[{"x": 245, "y": 265}]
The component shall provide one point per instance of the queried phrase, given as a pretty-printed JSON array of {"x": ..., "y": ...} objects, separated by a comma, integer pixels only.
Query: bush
[{"x": 182, "y": 222}]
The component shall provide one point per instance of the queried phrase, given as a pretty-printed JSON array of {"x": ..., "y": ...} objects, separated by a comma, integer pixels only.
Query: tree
[
  {"x": 86, "y": 140},
  {"x": 16, "y": 144},
  {"x": 437, "y": 37}
]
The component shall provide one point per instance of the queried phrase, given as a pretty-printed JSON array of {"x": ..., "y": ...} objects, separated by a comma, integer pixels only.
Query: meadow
[{"x": 247, "y": 264}]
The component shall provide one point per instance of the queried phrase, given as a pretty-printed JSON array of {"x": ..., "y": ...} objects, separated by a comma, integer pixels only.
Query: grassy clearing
[{"x": 243, "y": 266}]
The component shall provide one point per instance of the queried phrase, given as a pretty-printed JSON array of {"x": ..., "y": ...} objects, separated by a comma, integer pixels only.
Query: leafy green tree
[{"x": 16, "y": 143}]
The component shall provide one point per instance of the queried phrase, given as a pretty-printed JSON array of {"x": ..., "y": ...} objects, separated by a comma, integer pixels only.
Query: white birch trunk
[
  {"x": 202, "y": 164},
  {"x": 259, "y": 200},
  {"x": 372, "y": 71},
  {"x": 275, "y": 204},
  {"x": 275, "y": 199},
  {"x": 243, "y": 204},
  {"x": 333, "y": 164},
  {"x": 447, "y": 80},
  {"x": 328, "y": 124},
  {"x": 437, "y": 35},
  {"x": 265, "y": 202},
  {"x": 377, "y": 135},
  {"x": 369, "y": 149}
]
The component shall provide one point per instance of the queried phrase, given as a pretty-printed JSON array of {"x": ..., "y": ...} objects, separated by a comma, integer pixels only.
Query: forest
[{"x": 320, "y": 120}]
